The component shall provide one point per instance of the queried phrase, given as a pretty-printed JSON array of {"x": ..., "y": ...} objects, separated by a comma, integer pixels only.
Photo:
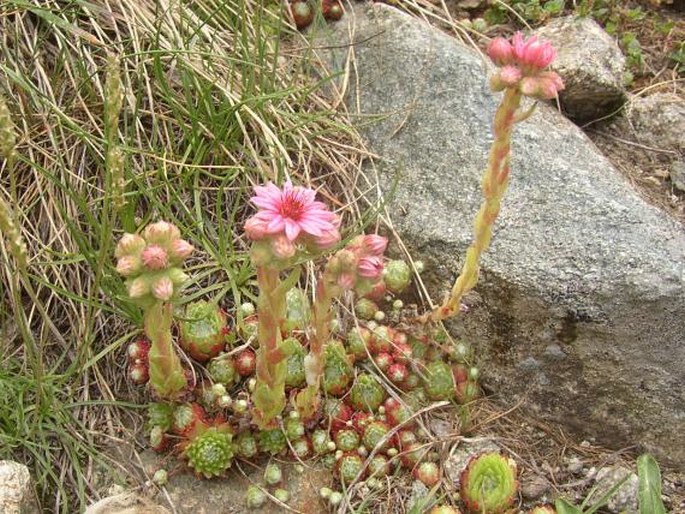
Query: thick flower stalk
[
  {"x": 520, "y": 73},
  {"x": 151, "y": 263},
  {"x": 357, "y": 267},
  {"x": 290, "y": 224}
]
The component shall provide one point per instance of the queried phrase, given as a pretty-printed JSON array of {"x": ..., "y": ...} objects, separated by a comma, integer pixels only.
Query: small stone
[
  {"x": 457, "y": 461},
  {"x": 16, "y": 489},
  {"x": 534, "y": 488},
  {"x": 529, "y": 364},
  {"x": 554, "y": 352},
  {"x": 677, "y": 174},
  {"x": 624, "y": 500},
  {"x": 574, "y": 466}
]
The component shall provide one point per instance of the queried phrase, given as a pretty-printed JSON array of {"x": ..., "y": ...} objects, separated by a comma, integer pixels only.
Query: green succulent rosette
[
  {"x": 488, "y": 483},
  {"x": 210, "y": 453}
]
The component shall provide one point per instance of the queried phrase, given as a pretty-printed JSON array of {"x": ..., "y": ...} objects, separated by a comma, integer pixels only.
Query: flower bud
[
  {"x": 129, "y": 244},
  {"x": 128, "y": 265},
  {"x": 370, "y": 267},
  {"x": 138, "y": 287},
  {"x": 161, "y": 232},
  {"x": 163, "y": 289},
  {"x": 510, "y": 75},
  {"x": 155, "y": 257},
  {"x": 328, "y": 239},
  {"x": 177, "y": 276},
  {"x": 500, "y": 51},
  {"x": 180, "y": 250},
  {"x": 255, "y": 228},
  {"x": 346, "y": 281},
  {"x": 282, "y": 247},
  {"x": 374, "y": 244}
]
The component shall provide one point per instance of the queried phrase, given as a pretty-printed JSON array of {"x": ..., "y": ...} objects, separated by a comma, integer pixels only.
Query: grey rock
[
  {"x": 656, "y": 121},
  {"x": 624, "y": 500},
  {"x": 575, "y": 250},
  {"x": 591, "y": 65},
  {"x": 16, "y": 489},
  {"x": 677, "y": 174}
]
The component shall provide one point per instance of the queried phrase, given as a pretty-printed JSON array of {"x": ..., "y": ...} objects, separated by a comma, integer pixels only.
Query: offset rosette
[
  {"x": 489, "y": 484},
  {"x": 151, "y": 263}
]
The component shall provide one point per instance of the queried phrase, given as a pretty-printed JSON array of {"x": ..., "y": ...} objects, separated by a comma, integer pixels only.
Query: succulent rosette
[
  {"x": 210, "y": 451},
  {"x": 489, "y": 484},
  {"x": 151, "y": 263},
  {"x": 203, "y": 330},
  {"x": 367, "y": 393}
]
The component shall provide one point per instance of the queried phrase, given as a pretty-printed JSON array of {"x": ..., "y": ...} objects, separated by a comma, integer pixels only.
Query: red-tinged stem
[
  {"x": 308, "y": 400},
  {"x": 495, "y": 182},
  {"x": 269, "y": 395}
]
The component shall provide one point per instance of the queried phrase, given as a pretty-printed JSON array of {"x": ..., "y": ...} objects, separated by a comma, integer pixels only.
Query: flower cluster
[
  {"x": 151, "y": 262},
  {"x": 290, "y": 217},
  {"x": 522, "y": 63}
]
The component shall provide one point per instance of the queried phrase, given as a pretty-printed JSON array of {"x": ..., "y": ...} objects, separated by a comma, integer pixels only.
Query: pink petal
[
  {"x": 292, "y": 229},
  {"x": 275, "y": 225}
]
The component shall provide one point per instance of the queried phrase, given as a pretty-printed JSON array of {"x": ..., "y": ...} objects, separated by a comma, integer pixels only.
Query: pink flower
[
  {"x": 532, "y": 53},
  {"x": 370, "y": 267},
  {"x": 291, "y": 210},
  {"x": 155, "y": 257},
  {"x": 374, "y": 244}
]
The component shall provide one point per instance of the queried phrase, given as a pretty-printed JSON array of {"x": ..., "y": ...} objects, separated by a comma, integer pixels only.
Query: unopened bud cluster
[
  {"x": 360, "y": 264},
  {"x": 152, "y": 261},
  {"x": 522, "y": 63}
]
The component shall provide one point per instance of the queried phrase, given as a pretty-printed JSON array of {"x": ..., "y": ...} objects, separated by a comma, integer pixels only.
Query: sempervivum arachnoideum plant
[
  {"x": 376, "y": 435},
  {"x": 186, "y": 417},
  {"x": 295, "y": 375},
  {"x": 489, "y": 483},
  {"x": 438, "y": 381},
  {"x": 222, "y": 370},
  {"x": 338, "y": 369},
  {"x": 367, "y": 393},
  {"x": 349, "y": 466},
  {"x": 210, "y": 450},
  {"x": 203, "y": 330}
]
